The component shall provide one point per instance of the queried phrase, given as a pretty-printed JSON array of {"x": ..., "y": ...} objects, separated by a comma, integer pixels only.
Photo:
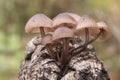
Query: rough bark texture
[{"x": 37, "y": 64}]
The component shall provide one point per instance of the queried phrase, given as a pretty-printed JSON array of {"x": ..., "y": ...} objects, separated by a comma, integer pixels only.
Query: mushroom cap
[
  {"x": 63, "y": 19},
  {"x": 47, "y": 39},
  {"x": 105, "y": 33},
  {"x": 74, "y": 16},
  {"x": 86, "y": 22},
  {"x": 37, "y": 21},
  {"x": 62, "y": 32}
]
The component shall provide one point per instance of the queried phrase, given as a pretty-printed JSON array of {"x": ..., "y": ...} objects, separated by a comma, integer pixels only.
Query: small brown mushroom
[
  {"x": 47, "y": 42},
  {"x": 87, "y": 26},
  {"x": 63, "y": 34},
  {"x": 38, "y": 23},
  {"x": 105, "y": 33}
]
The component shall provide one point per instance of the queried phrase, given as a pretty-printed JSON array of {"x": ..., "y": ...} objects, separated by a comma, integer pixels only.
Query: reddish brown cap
[
  {"x": 47, "y": 39},
  {"x": 86, "y": 22},
  {"x": 63, "y": 20},
  {"x": 37, "y": 21},
  {"x": 105, "y": 33},
  {"x": 62, "y": 32}
]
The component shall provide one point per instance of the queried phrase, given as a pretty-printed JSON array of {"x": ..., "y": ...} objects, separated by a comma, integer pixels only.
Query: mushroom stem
[
  {"x": 75, "y": 53},
  {"x": 95, "y": 37},
  {"x": 65, "y": 51},
  {"x": 42, "y": 32},
  {"x": 86, "y": 40},
  {"x": 58, "y": 51},
  {"x": 58, "y": 57},
  {"x": 71, "y": 51},
  {"x": 86, "y": 35},
  {"x": 50, "y": 51}
]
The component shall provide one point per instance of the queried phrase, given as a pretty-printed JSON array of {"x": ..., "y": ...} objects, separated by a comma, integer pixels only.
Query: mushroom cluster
[{"x": 56, "y": 34}]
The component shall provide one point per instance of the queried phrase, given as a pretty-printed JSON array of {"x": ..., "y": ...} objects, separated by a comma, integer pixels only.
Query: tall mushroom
[
  {"x": 103, "y": 35},
  {"x": 63, "y": 34},
  {"x": 87, "y": 26},
  {"x": 38, "y": 23},
  {"x": 64, "y": 20}
]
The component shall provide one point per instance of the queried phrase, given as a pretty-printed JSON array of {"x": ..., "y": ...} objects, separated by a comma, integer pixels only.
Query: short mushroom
[
  {"x": 47, "y": 42},
  {"x": 38, "y": 23},
  {"x": 63, "y": 34}
]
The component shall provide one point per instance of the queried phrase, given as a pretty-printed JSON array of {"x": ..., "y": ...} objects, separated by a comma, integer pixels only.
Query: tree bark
[{"x": 37, "y": 64}]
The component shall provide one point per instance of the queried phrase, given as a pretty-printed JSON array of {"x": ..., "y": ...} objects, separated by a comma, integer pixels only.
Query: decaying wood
[{"x": 37, "y": 64}]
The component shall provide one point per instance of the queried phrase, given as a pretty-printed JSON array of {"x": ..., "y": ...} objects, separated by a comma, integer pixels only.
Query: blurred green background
[{"x": 15, "y": 13}]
